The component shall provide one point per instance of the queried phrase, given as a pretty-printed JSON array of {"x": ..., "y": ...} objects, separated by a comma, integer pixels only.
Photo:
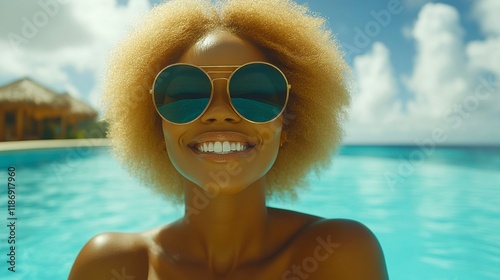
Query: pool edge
[{"x": 48, "y": 144}]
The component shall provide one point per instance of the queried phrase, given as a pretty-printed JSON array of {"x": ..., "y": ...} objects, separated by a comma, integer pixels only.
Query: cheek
[
  {"x": 264, "y": 155},
  {"x": 172, "y": 134},
  {"x": 268, "y": 151},
  {"x": 169, "y": 137}
]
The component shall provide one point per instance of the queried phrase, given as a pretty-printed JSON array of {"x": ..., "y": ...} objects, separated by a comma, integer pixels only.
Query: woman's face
[{"x": 253, "y": 147}]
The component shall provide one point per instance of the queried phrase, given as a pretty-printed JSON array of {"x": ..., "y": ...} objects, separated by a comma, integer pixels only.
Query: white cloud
[
  {"x": 41, "y": 25},
  {"x": 440, "y": 76},
  {"x": 486, "y": 13},
  {"x": 43, "y": 38},
  {"x": 376, "y": 113},
  {"x": 452, "y": 95},
  {"x": 485, "y": 55},
  {"x": 376, "y": 86}
]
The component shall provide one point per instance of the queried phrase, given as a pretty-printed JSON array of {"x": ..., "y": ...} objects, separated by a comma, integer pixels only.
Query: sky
[{"x": 425, "y": 72}]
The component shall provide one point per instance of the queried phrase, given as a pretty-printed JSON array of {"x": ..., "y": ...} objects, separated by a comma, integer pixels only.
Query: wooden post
[
  {"x": 63, "y": 127},
  {"x": 39, "y": 124},
  {"x": 19, "y": 124},
  {"x": 2, "y": 124}
]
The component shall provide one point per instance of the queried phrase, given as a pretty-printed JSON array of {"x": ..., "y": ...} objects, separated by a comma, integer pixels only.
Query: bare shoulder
[
  {"x": 112, "y": 255},
  {"x": 337, "y": 249}
]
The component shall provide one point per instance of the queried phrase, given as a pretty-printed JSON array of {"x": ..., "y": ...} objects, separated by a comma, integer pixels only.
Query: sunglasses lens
[
  {"x": 258, "y": 92},
  {"x": 182, "y": 93}
]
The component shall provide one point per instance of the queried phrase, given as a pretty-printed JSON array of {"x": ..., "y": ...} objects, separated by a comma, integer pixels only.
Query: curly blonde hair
[{"x": 293, "y": 39}]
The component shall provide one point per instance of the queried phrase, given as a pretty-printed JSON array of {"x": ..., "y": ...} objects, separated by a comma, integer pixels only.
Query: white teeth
[
  {"x": 226, "y": 147},
  {"x": 218, "y": 147}
]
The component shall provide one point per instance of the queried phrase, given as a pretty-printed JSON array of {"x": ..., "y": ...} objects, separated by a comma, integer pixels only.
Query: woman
[{"x": 222, "y": 106}]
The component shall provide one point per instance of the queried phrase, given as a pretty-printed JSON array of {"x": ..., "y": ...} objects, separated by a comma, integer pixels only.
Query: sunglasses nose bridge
[
  {"x": 219, "y": 90},
  {"x": 220, "y": 108},
  {"x": 216, "y": 79}
]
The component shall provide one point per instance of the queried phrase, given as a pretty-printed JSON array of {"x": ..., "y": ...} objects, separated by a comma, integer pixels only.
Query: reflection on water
[
  {"x": 441, "y": 222},
  {"x": 447, "y": 214}
]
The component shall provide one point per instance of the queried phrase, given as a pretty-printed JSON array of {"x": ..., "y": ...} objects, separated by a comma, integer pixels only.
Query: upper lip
[{"x": 214, "y": 136}]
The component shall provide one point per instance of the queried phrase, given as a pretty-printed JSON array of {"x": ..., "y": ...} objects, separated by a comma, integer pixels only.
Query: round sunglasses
[{"x": 258, "y": 91}]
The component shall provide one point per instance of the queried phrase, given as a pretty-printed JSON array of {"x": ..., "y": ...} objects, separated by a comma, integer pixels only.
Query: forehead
[{"x": 222, "y": 48}]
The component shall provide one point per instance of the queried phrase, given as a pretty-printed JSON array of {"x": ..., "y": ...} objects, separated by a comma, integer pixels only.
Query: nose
[{"x": 220, "y": 110}]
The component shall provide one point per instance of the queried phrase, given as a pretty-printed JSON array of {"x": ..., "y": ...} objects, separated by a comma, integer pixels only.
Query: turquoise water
[{"x": 436, "y": 212}]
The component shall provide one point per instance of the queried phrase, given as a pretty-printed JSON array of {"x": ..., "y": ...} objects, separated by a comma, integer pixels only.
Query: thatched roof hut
[
  {"x": 28, "y": 108},
  {"x": 78, "y": 110},
  {"x": 26, "y": 93}
]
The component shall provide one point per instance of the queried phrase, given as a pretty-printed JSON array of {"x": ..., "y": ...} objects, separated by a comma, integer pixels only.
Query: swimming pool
[{"x": 435, "y": 212}]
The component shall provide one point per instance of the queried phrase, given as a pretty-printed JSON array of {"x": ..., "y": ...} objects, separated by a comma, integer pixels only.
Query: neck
[{"x": 229, "y": 228}]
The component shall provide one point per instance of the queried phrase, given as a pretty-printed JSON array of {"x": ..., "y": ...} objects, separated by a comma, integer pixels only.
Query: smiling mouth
[{"x": 222, "y": 147}]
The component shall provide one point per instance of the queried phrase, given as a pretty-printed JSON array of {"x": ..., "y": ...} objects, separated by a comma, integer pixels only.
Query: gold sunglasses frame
[{"x": 207, "y": 72}]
